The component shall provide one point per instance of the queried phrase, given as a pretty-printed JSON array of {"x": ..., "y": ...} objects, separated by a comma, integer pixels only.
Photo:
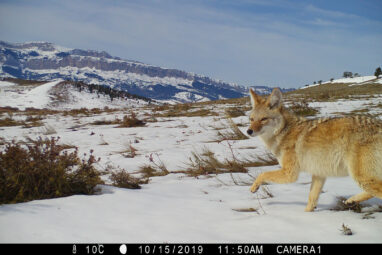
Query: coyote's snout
[{"x": 323, "y": 147}]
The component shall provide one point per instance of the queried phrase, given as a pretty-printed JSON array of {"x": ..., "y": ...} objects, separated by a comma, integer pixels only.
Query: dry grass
[
  {"x": 9, "y": 122},
  {"x": 182, "y": 110},
  {"x": 341, "y": 206},
  {"x": 335, "y": 91},
  {"x": 130, "y": 120},
  {"x": 206, "y": 163},
  {"x": 232, "y": 132},
  {"x": 148, "y": 171},
  {"x": 361, "y": 208},
  {"x": 129, "y": 152},
  {"x": 28, "y": 123},
  {"x": 105, "y": 122},
  {"x": 233, "y": 112},
  {"x": 346, "y": 230},
  {"x": 8, "y": 109},
  {"x": 22, "y": 82},
  {"x": 155, "y": 168}
]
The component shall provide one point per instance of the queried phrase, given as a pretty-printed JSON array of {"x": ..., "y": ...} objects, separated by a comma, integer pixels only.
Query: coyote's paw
[
  {"x": 349, "y": 202},
  {"x": 254, "y": 188},
  {"x": 309, "y": 208}
]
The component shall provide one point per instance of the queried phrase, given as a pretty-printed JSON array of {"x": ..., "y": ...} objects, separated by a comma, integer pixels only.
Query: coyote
[{"x": 323, "y": 147}]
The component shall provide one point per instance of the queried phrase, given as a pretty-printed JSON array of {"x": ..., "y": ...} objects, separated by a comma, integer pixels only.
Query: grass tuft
[
  {"x": 232, "y": 133},
  {"x": 206, "y": 163}
]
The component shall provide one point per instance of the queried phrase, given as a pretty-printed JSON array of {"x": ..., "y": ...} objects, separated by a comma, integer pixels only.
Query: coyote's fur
[{"x": 323, "y": 147}]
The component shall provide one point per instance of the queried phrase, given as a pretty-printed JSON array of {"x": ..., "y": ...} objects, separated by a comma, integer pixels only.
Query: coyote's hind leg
[
  {"x": 315, "y": 190},
  {"x": 359, "y": 198}
]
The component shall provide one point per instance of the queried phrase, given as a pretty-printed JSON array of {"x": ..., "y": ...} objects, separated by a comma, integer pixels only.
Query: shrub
[
  {"x": 302, "y": 108},
  {"x": 123, "y": 179},
  {"x": 131, "y": 121},
  {"x": 43, "y": 169}
]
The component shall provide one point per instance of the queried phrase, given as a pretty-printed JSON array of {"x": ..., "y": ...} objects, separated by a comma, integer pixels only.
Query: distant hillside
[
  {"x": 344, "y": 87},
  {"x": 59, "y": 94}
]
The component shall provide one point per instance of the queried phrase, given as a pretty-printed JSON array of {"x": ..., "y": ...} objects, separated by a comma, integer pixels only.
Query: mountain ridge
[{"x": 47, "y": 61}]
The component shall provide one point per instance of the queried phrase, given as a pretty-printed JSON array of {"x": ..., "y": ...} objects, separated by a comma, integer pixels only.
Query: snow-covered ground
[
  {"x": 33, "y": 96},
  {"x": 352, "y": 81},
  {"x": 177, "y": 208},
  {"x": 346, "y": 106}
]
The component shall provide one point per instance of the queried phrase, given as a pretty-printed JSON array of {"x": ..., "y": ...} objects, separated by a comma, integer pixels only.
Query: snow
[
  {"x": 6, "y": 84},
  {"x": 33, "y": 96},
  {"x": 187, "y": 97},
  {"x": 355, "y": 79},
  {"x": 116, "y": 75},
  {"x": 347, "y": 106},
  {"x": 176, "y": 208}
]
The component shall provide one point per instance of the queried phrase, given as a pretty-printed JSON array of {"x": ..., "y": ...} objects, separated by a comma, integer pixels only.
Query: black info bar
[{"x": 188, "y": 249}]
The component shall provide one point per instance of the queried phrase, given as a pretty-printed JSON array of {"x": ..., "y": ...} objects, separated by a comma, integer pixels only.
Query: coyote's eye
[
  {"x": 264, "y": 119},
  {"x": 251, "y": 119}
]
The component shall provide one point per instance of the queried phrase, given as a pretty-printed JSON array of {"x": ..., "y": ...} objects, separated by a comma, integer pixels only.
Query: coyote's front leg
[{"x": 284, "y": 175}]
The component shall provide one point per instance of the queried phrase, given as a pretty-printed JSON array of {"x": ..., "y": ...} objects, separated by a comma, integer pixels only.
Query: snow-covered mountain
[
  {"x": 265, "y": 90},
  {"x": 46, "y": 61}
]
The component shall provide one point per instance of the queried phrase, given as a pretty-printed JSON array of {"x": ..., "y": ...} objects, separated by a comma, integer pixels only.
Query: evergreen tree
[
  {"x": 378, "y": 72},
  {"x": 348, "y": 74}
]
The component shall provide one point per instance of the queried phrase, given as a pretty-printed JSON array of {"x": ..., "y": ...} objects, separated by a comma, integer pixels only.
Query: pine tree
[
  {"x": 347, "y": 74},
  {"x": 378, "y": 72}
]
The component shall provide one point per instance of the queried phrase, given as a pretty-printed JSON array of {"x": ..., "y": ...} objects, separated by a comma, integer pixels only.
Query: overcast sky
[{"x": 286, "y": 43}]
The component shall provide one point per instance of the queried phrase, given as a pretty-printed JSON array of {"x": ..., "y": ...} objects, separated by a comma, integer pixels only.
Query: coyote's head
[{"x": 265, "y": 118}]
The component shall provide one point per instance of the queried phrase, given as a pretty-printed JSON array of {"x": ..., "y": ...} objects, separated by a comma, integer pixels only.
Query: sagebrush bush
[
  {"x": 302, "y": 108},
  {"x": 131, "y": 121},
  {"x": 44, "y": 169},
  {"x": 123, "y": 179}
]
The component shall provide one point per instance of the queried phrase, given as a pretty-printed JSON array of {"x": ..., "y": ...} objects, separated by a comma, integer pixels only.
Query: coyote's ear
[
  {"x": 275, "y": 99},
  {"x": 255, "y": 99}
]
